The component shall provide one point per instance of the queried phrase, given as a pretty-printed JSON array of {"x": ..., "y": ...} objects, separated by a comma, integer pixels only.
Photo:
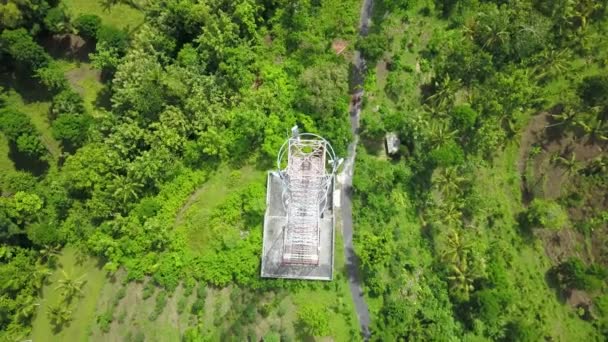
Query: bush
[
  {"x": 463, "y": 117},
  {"x": 67, "y": 102},
  {"x": 87, "y": 25},
  {"x": 594, "y": 90},
  {"x": 21, "y": 46},
  {"x": 56, "y": 20},
  {"x": 546, "y": 214},
  {"x": 113, "y": 38},
  {"x": 71, "y": 129},
  {"x": 30, "y": 145},
  {"x": 14, "y": 123},
  {"x": 314, "y": 320},
  {"x": 372, "y": 47},
  {"x": 197, "y": 306},
  {"x": 149, "y": 289},
  {"x": 449, "y": 154},
  {"x": 104, "y": 320},
  {"x": 52, "y": 77},
  {"x": 181, "y": 305},
  {"x": 574, "y": 274}
]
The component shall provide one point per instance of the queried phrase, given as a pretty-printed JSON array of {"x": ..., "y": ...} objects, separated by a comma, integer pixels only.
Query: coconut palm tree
[
  {"x": 596, "y": 131},
  {"x": 448, "y": 181},
  {"x": 59, "y": 314},
  {"x": 49, "y": 253},
  {"x": 571, "y": 165},
  {"x": 27, "y": 308},
  {"x": 40, "y": 275},
  {"x": 439, "y": 133},
  {"x": 461, "y": 278},
  {"x": 70, "y": 286},
  {"x": 453, "y": 247},
  {"x": 567, "y": 117}
]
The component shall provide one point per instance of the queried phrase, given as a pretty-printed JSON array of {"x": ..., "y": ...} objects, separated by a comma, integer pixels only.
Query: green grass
[
  {"x": 200, "y": 205},
  {"x": 86, "y": 81},
  {"x": 120, "y": 16},
  {"x": 38, "y": 113},
  {"x": 500, "y": 183},
  {"x": 83, "y": 308}
]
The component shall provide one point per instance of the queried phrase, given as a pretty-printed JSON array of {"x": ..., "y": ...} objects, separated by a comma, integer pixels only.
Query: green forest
[{"x": 135, "y": 138}]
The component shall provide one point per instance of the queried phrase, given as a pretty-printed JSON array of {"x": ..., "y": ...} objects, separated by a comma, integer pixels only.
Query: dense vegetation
[
  {"x": 196, "y": 86},
  {"x": 489, "y": 223}
]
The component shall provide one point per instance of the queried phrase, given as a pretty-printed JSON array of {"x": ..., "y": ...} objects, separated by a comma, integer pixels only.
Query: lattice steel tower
[{"x": 311, "y": 165}]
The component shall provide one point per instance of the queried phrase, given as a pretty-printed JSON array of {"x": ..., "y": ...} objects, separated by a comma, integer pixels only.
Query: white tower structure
[{"x": 304, "y": 183}]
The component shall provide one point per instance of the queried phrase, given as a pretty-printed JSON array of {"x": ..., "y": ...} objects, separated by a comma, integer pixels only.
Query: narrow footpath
[{"x": 346, "y": 180}]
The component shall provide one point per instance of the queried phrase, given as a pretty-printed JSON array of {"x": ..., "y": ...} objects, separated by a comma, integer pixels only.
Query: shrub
[
  {"x": 21, "y": 46},
  {"x": 56, "y": 20},
  {"x": 149, "y": 289},
  {"x": 30, "y": 145},
  {"x": 52, "y": 77},
  {"x": 197, "y": 306},
  {"x": 463, "y": 117},
  {"x": 67, "y": 102},
  {"x": 14, "y": 123},
  {"x": 314, "y": 320},
  {"x": 113, "y": 38},
  {"x": 546, "y": 214},
  {"x": 574, "y": 274},
  {"x": 87, "y": 25},
  {"x": 372, "y": 46},
  {"x": 71, "y": 129},
  {"x": 449, "y": 154}
]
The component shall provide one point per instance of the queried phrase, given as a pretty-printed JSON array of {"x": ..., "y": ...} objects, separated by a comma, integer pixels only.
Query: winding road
[{"x": 346, "y": 180}]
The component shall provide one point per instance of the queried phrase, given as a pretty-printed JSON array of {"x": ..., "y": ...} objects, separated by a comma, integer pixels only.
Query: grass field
[
  {"x": 120, "y": 15},
  {"x": 196, "y": 211},
  {"x": 38, "y": 112},
  {"x": 83, "y": 308}
]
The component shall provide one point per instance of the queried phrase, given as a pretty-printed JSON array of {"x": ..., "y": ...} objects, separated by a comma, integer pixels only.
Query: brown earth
[
  {"x": 541, "y": 141},
  {"x": 339, "y": 45}
]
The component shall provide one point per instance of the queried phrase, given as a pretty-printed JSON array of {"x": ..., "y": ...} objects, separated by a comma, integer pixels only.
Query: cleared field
[
  {"x": 83, "y": 308},
  {"x": 120, "y": 15}
]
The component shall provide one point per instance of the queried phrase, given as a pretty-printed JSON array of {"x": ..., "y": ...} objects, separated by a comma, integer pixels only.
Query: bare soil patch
[{"x": 339, "y": 45}]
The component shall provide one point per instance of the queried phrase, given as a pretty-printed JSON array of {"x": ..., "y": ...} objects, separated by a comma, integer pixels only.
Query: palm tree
[
  {"x": 445, "y": 89},
  {"x": 596, "y": 131},
  {"x": 439, "y": 133},
  {"x": 448, "y": 181},
  {"x": 40, "y": 276},
  {"x": 461, "y": 280},
  {"x": 59, "y": 315},
  {"x": 567, "y": 117},
  {"x": 598, "y": 165},
  {"x": 49, "y": 253},
  {"x": 450, "y": 214},
  {"x": 554, "y": 63},
  {"x": 70, "y": 286},
  {"x": 453, "y": 247},
  {"x": 571, "y": 165},
  {"x": 126, "y": 188},
  {"x": 27, "y": 308}
]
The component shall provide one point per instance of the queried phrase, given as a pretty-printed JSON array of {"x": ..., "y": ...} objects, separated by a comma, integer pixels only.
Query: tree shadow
[
  {"x": 24, "y": 162},
  {"x": 103, "y": 99},
  {"x": 552, "y": 281},
  {"x": 27, "y": 86}
]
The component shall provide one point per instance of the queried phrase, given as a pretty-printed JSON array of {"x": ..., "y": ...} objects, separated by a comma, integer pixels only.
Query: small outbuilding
[{"x": 391, "y": 141}]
